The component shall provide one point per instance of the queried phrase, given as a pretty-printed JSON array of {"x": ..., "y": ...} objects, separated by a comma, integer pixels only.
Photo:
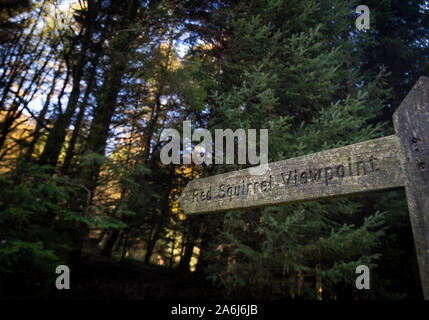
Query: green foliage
[
  {"x": 297, "y": 68},
  {"x": 31, "y": 205},
  {"x": 36, "y": 220},
  {"x": 300, "y": 82},
  {"x": 264, "y": 257},
  {"x": 23, "y": 256}
]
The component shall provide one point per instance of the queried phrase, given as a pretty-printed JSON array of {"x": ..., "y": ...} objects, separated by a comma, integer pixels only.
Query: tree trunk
[
  {"x": 124, "y": 251},
  {"x": 204, "y": 247},
  {"x": 99, "y": 130},
  {"x": 14, "y": 111},
  {"x": 153, "y": 239},
  {"x": 58, "y": 133},
  {"x": 110, "y": 242},
  {"x": 41, "y": 117},
  {"x": 79, "y": 118},
  {"x": 186, "y": 259}
]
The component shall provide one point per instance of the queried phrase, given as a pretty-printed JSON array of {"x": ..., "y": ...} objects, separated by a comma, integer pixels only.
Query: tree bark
[
  {"x": 58, "y": 133},
  {"x": 110, "y": 242},
  {"x": 79, "y": 118},
  {"x": 186, "y": 259},
  {"x": 41, "y": 117},
  {"x": 100, "y": 125}
]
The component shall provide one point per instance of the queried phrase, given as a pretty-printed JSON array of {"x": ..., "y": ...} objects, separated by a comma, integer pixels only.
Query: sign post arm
[{"x": 411, "y": 122}]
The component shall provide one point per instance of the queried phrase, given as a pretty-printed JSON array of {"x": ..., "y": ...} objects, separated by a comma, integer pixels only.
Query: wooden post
[{"x": 411, "y": 122}]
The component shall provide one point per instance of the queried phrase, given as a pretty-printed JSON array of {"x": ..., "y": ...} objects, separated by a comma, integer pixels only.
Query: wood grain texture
[
  {"x": 362, "y": 167},
  {"x": 411, "y": 122}
]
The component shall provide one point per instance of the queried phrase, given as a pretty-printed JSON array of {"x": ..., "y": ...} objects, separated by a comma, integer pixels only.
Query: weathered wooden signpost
[{"x": 400, "y": 160}]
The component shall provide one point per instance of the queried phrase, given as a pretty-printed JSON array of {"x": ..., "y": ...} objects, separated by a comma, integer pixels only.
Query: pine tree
[{"x": 293, "y": 68}]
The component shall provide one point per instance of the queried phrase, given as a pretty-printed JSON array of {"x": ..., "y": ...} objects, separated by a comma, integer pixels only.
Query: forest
[{"x": 87, "y": 88}]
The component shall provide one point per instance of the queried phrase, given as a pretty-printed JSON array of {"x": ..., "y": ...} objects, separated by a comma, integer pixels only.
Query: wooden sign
[
  {"x": 400, "y": 160},
  {"x": 362, "y": 167}
]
